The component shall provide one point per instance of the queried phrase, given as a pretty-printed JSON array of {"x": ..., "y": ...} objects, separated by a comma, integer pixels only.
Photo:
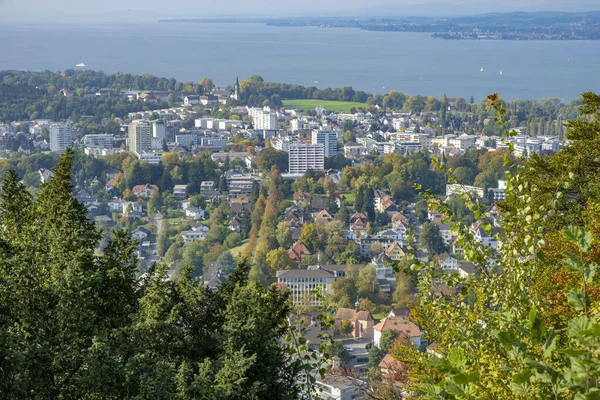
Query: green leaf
[
  {"x": 576, "y": 299},
  {"x": 577, "y": 325},
  {"x": 453, "y": 388},
  {"x": 550, "y": 345},
  {"x": 522, "y": 377},
  {"x": 456, "y": 357},
  {"x": 463, "y": 378},
  {"x": 586, "y": 241},
  {"x": 572, "y": 262},
  {"x": 573, "y": 233},
  {"x": 590, "y": 272}
]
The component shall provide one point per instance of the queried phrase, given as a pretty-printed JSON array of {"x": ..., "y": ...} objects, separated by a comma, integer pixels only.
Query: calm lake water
[{"x": 413, "y": 63}]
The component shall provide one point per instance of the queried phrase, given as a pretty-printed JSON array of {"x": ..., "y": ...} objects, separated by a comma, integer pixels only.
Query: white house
[
  {"x": 448, "y": 263},
  {"x": 198, "y": 233},
  {"x": 194, "y": 212},
  {"x": 140, "y": 234}
]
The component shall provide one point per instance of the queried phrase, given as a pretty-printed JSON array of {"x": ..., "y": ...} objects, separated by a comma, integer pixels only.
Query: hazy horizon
[{"x": 68, "y": 11}]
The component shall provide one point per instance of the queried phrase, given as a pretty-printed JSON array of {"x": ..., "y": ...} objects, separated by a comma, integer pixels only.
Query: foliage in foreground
[
  {"x": 77, "y": 325},
  {"x": 531, "y": 331}
]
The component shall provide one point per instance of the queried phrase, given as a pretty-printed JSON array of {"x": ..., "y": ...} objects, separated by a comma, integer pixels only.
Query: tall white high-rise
[
  {"x": 263, "y": 119},
  {"x": 328, "y": 139},
  {"x": 159, "y": 130},
  {"x": 61, "y": 137},
  {"x": 306, "y": 156},
  {"x": 140, "y": 136}
]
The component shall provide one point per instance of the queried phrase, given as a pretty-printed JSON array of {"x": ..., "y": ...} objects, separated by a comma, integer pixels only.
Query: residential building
[
  {"x": 61, "y": 137},
  {"x": 298, "y": 251},
  {"x": 143, "y": 190},
  {"x": 400, "y": 324},
  {"x": 180, "y": 191},
  {"x": 99, "y": 141},
  {"x": 263, "y": 118},
  {"x": 140, "y": 136},
  {"x": 328, "y": 139},
  {"x": 159, "y": 129},
  {"x": 306, "y": 156}
]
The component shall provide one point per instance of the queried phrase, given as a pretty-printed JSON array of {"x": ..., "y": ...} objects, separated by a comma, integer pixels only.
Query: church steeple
[{"x": 236, "y": 89}]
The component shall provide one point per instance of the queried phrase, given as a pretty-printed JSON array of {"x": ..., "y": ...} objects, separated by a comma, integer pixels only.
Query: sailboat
[
  {"x": 80, "y": 65},
  {"x": 481, "y": 70},
  {"x": 500, "y": 72}
]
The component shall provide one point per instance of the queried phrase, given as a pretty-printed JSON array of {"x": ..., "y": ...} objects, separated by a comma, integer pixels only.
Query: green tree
[
  {"x": 346, "y": 327},
  {"x": 226, "y": 263},
  {"x": 431, "y": 238},
  {"x": 367, "y": 283}
]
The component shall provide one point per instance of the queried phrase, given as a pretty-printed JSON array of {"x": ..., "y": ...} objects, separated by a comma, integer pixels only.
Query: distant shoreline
[{"x": 510, "y": 26}]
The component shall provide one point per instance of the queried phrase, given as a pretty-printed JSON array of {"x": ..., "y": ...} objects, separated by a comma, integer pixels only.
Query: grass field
[
  {"x": 237, "y": 250},
  {"x": 310, "y": 104}
]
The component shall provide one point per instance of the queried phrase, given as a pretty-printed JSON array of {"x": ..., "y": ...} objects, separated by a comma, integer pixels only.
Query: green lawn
[
  {"x": 310, "y": 104},
  {"x": 237, "y": 250},
  {"x": 380, "y": 316},
  {"x": 350, "y": 197}
]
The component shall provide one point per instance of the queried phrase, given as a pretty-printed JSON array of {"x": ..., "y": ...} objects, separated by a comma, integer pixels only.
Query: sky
[{"x": 59, "y": 11}]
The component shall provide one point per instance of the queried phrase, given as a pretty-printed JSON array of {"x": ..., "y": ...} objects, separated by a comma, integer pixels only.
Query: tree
[
  {"x": 367, "y": 305},
  {"x": 431, "y": 238},
  {"x": 284, "y": 235},
  {"x": 387, "y": 340},
  {"x": 225, "y": 263},
  {"x": 279, "y": 259},
  {"x": 346, "y": 327},
  {"x": 272, "y": 158},
  {"x": 367, "y": 283},
  {"x": 344, "y": 293}
]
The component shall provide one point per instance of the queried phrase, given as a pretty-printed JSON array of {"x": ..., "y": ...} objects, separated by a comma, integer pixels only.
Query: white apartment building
[
  {"x": 140, "y": 136},
  {"x": 151, "y": 157},
  {"x": 306, "y": 156},
  {"x": 263, "y": 119},
  {"x": 104, "y": 141},
  {"x": 302, "y": 282},
  {"x": 61, "y": 137},
  {"x": 328, "y": 139},
  {"x": 282, "y": 143}
]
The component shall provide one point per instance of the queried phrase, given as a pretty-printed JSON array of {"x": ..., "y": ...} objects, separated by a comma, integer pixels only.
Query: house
[
  {"x": 466, "y": 269},
  {"x": 129, "y": 207},
  {"x": 294, "y": 213},
  {"x": 235, "y": 224},
  {"x": 319, "y": 203},
  {"x": 323, "y": 217},
  {"x": 388, "y": 206},
  {"x": 298, "y": 252},
  {"x": 180, "y": 191},
  {"x": 111, "y": 185},
  {"x": 191, "y": 100},
  {"x": 207, "y": 188},
  {"x": 339, "y": 199},
  {"x": 483, "y": 237},
  {"x": 45, "y": 175},
  {"x": 198, "y": 233},
  {"x": 143, "y": 190},
  {"x": 362, "y": 322},
  {"x": 295, "y": 228},
  {"x": 446, "y": 233},
  {"x": 395, "y": 252},
  {"x": 194, "y": 213},
  {"x": 300, "y": 197},
  {"x": 240, "y": 204},
  {"x": 399, "y": 220},
  {"x": 383, "y": 265},
  {"x": 116, "y": 205},
  {"x": 140, "y": 234},
  {"x": 391, "y": 369},
  {"x": 435, "y": 216},
  {"x": 358, "y": 224},
  {"x": 448, "y": 263},
  {"x": 400, "y": 324}
]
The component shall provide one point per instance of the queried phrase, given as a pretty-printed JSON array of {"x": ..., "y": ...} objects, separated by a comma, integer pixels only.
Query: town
[{"x": 323, "y": 203}]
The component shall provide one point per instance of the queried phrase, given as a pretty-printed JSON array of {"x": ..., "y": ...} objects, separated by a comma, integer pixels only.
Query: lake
[{"x": 375, "y": 62}]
